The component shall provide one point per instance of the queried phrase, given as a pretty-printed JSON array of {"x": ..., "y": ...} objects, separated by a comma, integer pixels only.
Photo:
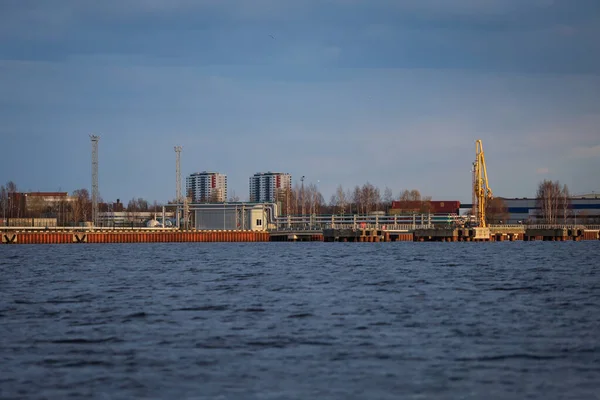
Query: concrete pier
[
  {"x": 361, "y": 235},
  {"x": 366, "y": 235},
  {"x": 453, "y": 235},
  {"x": 560, "y": 234}
]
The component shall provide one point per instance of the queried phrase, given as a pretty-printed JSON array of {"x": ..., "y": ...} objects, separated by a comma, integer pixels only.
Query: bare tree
[
  {"x": 357, "y": 199},
  {"x": 496, "y": 211},
  {"x": 388, "y": 197},
  {"x": 296, "y": 199},
  {"x": 411, "y": 201},
  {"x": 82, "y": 205},
  {"x": 234, "y": 198},
  {"x": 552, "y": 200},
  {"x": 132, "y": 211},
  {"x": 370, "y": 197},
  {"x": 13, "y": 205},
  {"x": 65, "y": 209},
  {"x": 3, "y": 203},
  {"x": 314, "y": 199},
  {"x": 339, "y": 201},
  {"x": 565, "y": 202},
  {"x": 11, "y": 187},
  {"x": 410, "y": 195}
]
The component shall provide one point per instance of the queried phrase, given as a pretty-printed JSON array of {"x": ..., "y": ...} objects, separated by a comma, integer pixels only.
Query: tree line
[{"x": 363, "y": 199}]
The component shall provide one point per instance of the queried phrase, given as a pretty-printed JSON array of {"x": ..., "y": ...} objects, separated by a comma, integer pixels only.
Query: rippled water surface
[{"x": 301, "y": 320}]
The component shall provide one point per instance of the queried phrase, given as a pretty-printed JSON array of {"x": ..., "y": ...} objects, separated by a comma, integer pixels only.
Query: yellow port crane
[{"x": 481, "y": 189}]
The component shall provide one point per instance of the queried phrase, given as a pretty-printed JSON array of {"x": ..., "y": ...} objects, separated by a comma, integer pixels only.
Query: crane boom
[{"x": 481, "y": 189}]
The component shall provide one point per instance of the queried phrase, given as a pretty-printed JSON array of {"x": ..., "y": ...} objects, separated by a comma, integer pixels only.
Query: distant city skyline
[{"x": 343, "y": 93}]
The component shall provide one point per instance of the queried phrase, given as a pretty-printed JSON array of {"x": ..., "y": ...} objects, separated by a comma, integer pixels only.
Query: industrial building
[
  {"x": 584, "y": 209},
  {"x": 207, "y": 187},
  {"x": 132, "y": 219},
  {"x": 234, "y": 216},
  {"x": 268, "y": 186},
  {"x": 18, "y": 205}
]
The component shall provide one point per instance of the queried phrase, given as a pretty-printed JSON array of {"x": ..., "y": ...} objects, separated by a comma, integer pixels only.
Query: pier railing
[
  {"x": 369, "y": 222},
  {"x": 87, "y": 228},
  {"x": 558, "y": 226}
]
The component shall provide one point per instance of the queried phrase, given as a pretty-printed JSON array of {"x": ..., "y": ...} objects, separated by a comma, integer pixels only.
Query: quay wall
[
  {"x": 328, "y": 235},
  {"x": 133, "y": 236}
]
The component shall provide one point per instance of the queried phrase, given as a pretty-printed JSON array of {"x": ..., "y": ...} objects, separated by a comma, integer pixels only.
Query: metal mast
[
  {"x": 95, "y": 195},
  {"x": 178, "y": 180},
  {"x": 302, "y": 197},
  {"x": 178, "y": 173}
]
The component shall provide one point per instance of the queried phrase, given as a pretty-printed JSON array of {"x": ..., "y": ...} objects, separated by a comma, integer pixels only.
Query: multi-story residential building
[
  {"x": 268, "y": 186},
  {"x": 206, "y": 186}
]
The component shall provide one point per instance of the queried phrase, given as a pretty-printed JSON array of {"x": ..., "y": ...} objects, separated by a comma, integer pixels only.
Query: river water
[{"x": 301, "y": 320}]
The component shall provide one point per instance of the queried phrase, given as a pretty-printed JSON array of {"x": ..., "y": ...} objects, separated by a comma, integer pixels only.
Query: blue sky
[{"x": 341, "y": 91}]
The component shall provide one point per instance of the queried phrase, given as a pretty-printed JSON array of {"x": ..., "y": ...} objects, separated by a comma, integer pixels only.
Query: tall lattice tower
[
  {"x": 178, "y": 173},
  {"x": 95, "y": 195}
]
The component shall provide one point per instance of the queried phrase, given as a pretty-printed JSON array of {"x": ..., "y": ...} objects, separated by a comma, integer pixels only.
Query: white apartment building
[
  {"x": 265, "y": 186},
  {"x": 207, "y": 187}
]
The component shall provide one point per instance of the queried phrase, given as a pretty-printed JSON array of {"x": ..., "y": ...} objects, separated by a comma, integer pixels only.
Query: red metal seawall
[{"x": 132, "y": 237}]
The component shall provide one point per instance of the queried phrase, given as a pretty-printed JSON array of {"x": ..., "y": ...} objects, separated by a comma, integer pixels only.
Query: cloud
[
  {"x": 542, "y": 171},
  {"x": 493, "y": 35}
]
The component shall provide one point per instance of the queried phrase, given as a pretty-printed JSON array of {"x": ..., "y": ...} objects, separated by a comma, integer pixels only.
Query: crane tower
[
  {"x": 481, "y": 189},
  {"x": 95, "y": 194}
]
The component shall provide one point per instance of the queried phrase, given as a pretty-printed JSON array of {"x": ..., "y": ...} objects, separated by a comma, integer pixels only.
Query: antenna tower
[{"x": 95, "y": 195}]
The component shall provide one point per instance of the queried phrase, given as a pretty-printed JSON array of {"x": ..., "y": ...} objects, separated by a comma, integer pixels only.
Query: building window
[{"x": 259, "y": 222}]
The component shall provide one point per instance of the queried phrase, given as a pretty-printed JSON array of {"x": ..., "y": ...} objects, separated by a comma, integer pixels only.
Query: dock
[{"x": 357, "y": 234}]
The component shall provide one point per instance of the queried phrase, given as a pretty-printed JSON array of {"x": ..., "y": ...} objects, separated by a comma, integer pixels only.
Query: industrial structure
[
  {"x": 180, "y": 200},
  {"x": 95, "y": 192},
  {"x": 207, "y": 187},
  {"x": 481, "y": 189},
  {"x": 135, "y": 219},
  {"x": 235, "y": 216},
  {"x": 269, "y": 186}
]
